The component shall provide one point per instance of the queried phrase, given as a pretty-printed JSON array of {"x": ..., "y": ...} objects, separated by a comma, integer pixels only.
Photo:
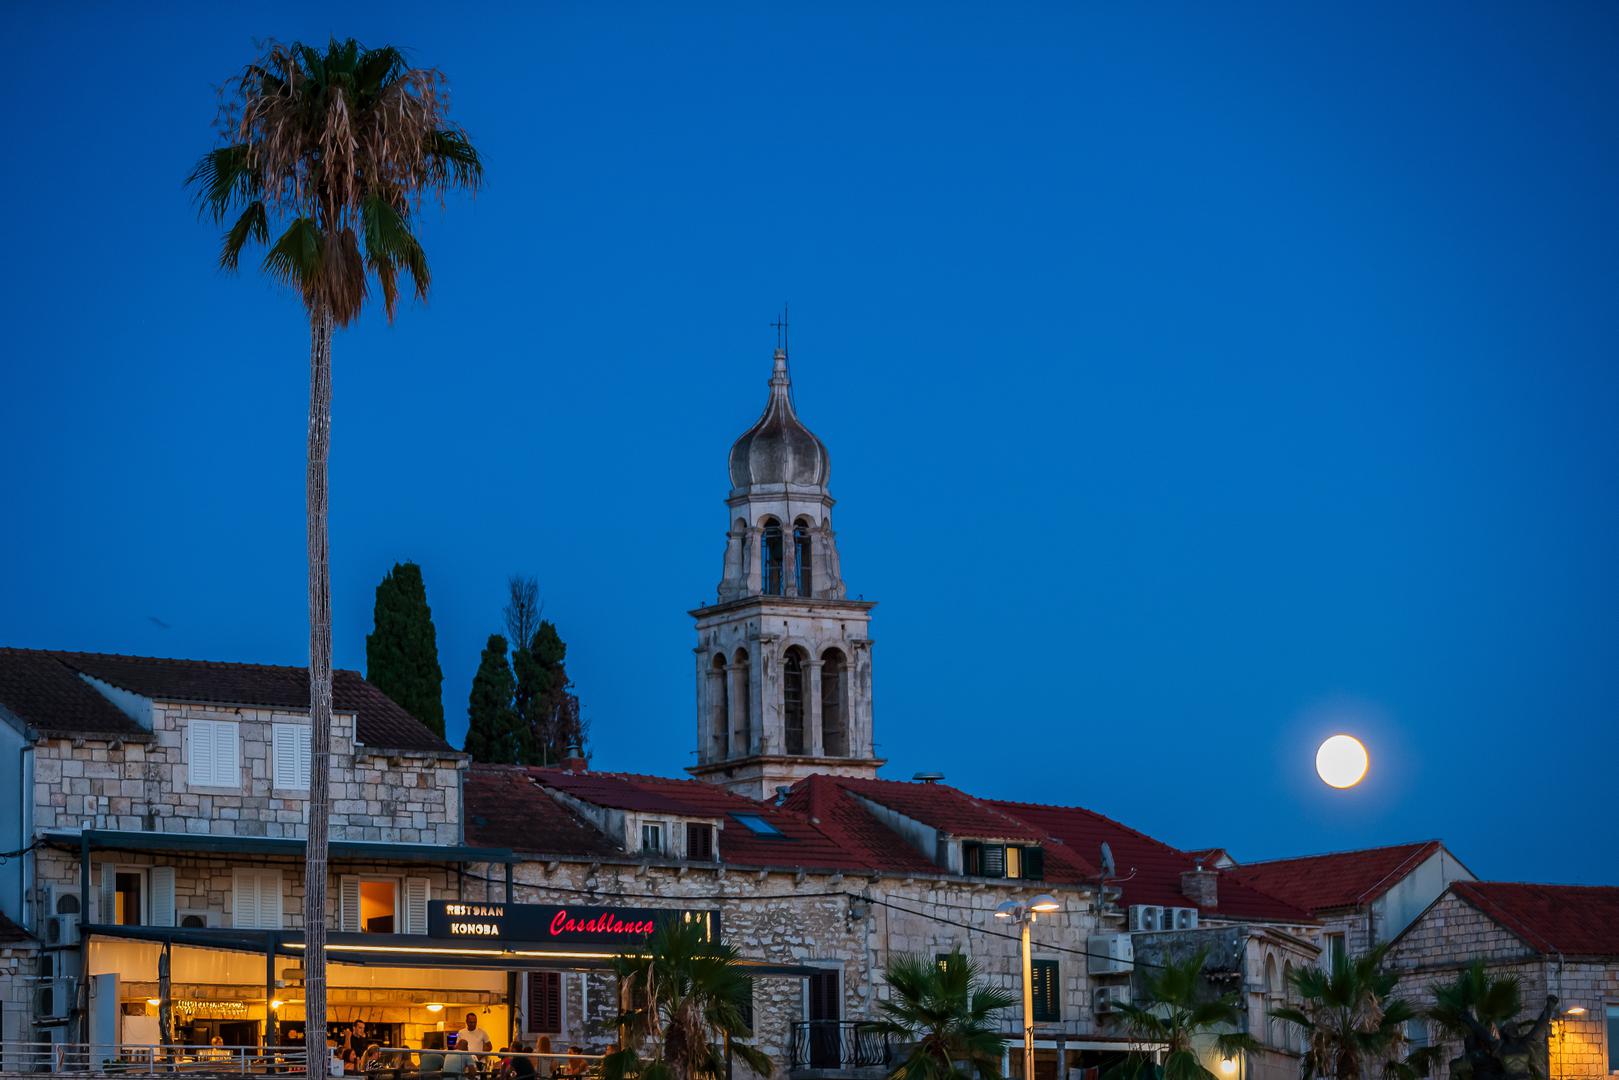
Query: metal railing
[
  {"x": 838, "y": 1044},
  {"x": 413, "y": 1062},
  {"x": 149, "y": 1059}
]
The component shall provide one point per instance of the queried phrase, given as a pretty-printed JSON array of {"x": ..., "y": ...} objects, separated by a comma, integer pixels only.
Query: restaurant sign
[{"x": 569, "y": 924}]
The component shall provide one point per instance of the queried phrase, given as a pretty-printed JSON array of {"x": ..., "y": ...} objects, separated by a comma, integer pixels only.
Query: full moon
[{"x": 1341, "y": 761}]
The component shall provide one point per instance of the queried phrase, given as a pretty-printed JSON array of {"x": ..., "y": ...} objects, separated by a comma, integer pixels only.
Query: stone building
[
  {"x": 1362, "y": 898},
  {"x": 1557, "y": 940}
]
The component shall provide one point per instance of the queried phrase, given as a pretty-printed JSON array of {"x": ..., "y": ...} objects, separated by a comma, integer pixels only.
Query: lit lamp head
[
  {"x": 1007, "y": 910},
  {"x": 154, "y": 1002},
  {"x": 1044, "y": 903},
  {"x": 1574, "y": 1010},
  {"x": 276, "y": 1004},
  {"x": 435, "y": 1006},
  {"x": 1228, "y": 1066}
]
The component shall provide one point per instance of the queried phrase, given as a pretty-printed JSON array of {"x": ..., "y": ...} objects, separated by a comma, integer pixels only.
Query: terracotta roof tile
[
  {"x": 1574, "y": 920},
  {"x": 40, "y": 696},
  {"x": 1149, "y": 871},
  {"x": 943, "y": 807},
  {"x": 505, "y": 808},
  {"x": 1339, "y": 879}
]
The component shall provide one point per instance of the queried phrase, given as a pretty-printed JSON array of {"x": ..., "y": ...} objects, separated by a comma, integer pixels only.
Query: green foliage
[
  {"x": 946, "y": 1012},
  {"x": 494, "y": 733},
  {"x": 1179, "y": 1012},
  {"x": 544, "y": 697},
  {"x": 685, "y": 1002},
  {"x": 401, "y": 652},
  {"x": 1354, "y": 1023},
  {"x": 1482, "y": 1013}
]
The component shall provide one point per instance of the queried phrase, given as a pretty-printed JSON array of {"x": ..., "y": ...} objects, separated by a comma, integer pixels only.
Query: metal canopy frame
[{"x": 211, "y": 844}]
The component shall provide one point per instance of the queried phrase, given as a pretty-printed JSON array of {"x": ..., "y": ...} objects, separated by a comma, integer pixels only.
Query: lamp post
[{"x": 1024, "y": 914}]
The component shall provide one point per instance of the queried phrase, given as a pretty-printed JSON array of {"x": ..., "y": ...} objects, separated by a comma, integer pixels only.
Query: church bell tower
[{"x": 783, "y": 656}]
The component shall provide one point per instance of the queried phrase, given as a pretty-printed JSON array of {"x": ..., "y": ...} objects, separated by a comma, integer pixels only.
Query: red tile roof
[
  {"x": 943, "y": 807},
  {"x": 1148, "y": 870},
  {"x": 1339, "y": 879},
  {"x": 504, "y": 809},
  {"x": 12, "y": 934},
  {"x": 37, "y": 685},
  {"x": 1573, "y": 920}
]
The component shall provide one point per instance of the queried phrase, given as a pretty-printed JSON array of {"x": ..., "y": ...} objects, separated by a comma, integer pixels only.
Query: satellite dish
[{"x": 1109, "y": 869}]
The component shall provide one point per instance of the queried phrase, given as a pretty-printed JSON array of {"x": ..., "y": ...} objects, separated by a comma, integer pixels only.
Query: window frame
[
  {"x": 1046, "y": 1009},
  {"x": 300, "y": 735},
  {"x": 656, "y": 829},
  {"x": 704, "y": 829},
  {"x": 258, "y": 875},
  {"x": 533, "y": 1022},
  {"x": 214, "y": 776}
]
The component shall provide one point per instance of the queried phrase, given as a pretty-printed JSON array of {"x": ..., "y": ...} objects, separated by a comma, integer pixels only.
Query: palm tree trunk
[{"x": 320, "y": 693}]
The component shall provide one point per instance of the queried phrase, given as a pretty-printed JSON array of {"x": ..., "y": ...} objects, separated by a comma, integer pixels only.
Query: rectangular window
[
  {"x": 1034, "y": 864},
  {"x": 127, "y": 897},
  {"x": 1613, "y": 1038},
  {"x": 1046, "y": 986},
  {"x": 256, "y": 899},
  {"x": 944, "y": 960},
  {"x": 1334, "y": 954},
  {"x": 757, "y": 824},
  {"x": 379, "y": 905},
  {"x": 1014, "y": 862},
  {"x": 545, "y": 1004},
  {"x": 651, "y": 839},
  {"x": 699, "y": 841},
  {"x": 291, "y": 757},
  {"x": 213, "y": 754},
  {"x": 992, "y": 861}
]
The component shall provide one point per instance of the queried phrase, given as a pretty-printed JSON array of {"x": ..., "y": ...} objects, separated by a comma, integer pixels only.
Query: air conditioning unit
[
  {"x": 1146, "y": 917},
  {"x": 54, "y": 999},
  {"x": 62, "y": 930},
  {"x": 1107, "y": 999},
  {"x": 1109, "y": 954},
  {"x": 193, "y": 920},
  {"x": 1185, "y": 918},
  {"x": 60, "y": 964}
]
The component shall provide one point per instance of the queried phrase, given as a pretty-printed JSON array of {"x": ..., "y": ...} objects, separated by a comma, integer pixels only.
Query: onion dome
[{"x": 778, "y": 448}]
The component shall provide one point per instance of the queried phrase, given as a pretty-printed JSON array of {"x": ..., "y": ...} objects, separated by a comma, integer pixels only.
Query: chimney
[
  {"x": 573, "y": 759},
  {"x": 1201, "y": 887}
]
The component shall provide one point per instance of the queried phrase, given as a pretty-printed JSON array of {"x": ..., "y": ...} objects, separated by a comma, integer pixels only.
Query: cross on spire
[{"x": 780, "y": 326}]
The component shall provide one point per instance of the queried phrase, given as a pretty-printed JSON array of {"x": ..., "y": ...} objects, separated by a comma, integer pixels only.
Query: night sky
[{"x": 1199, "y": 380}]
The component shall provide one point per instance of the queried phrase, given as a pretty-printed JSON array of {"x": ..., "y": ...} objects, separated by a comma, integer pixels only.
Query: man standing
[{"x": 473, "y": 1037}]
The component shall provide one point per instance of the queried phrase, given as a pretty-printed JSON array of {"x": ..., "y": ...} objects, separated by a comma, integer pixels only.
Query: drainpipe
[
  {"x": 84, "y": 939},
  {"x": 27, "y": 912}
]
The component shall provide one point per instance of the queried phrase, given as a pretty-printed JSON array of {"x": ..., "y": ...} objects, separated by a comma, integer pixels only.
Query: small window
[
  {"x": 771, "y": 560},
  {"x": 945, "y": 960},
  {"x": 256, "y": 899},
  {"x": 802, "y": 555},
  {"x": 1046, "y": 986},
  {"x": 212, "y": 754},
  {"x": 544, "y": 1003},
  {"x": 379, "y": 905},
  {"x": 291, "y": 757},
  {"x": 652, "y": 838},
  {"x": 699, "y": 841},
  {"x": 1335, "y": 951},
  {"x": 757, "y": 824},
  {"x": 992, "y": 861},
  {"x": 972, "y": 859},
  {"x": 1613, "y": 1038},
  {"x": 127, "y": 894},
  {"x": 1034, "y": 864},
  {"x": 1014, "y": 862}
]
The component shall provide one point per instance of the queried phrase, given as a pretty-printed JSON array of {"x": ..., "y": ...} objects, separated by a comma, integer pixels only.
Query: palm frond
[
  {"x": 222, "y": 177},
  {"x": 252, "y": 225}
]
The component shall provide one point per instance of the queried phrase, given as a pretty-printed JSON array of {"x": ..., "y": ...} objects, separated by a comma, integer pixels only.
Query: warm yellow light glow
[
  {"x": 435, "y": 1006},
  {"x": 1045, "y": 902},
  {"x": 1574, "y": 1010},
  {"x": 1227, "y": 1066},
  {"x": 1342, "y": 761},
  {"x": 154, "y": 1002},
  {"x": 276, "y": 1003}
]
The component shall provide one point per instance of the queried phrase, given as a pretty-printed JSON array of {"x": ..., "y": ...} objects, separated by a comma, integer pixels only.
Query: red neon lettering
[{"x": 607, "y": 923}]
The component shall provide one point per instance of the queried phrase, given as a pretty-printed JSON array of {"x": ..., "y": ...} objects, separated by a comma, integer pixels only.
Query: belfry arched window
[
  {"x": 802, "y": 554},
  {"x": 792, "y": 700},
  {"x": 834, "y": 719},
  {"x": 770, "y": 560},
  {"x": 744, "y": 702},
  {"x": 720, "y": 706}
]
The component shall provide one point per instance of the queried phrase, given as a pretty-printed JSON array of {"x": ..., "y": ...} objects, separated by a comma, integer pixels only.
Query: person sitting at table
[
  {"x": 523, "y": 1066},
  {"x": 371, "y": 1059},
  {"x": 432, "y": 1051}
]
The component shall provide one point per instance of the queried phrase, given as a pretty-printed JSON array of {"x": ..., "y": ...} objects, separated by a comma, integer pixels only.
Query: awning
[
  {"x": 404, "y": 950},
  {"x": 206, "y": 843}
]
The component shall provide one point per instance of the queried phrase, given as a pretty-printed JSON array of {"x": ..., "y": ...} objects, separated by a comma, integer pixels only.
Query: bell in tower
[{"x": 783, "y": 656}]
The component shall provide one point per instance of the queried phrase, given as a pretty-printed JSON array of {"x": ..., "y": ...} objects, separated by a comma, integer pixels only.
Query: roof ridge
[
  {"x": 1111, "y": 821},
  {"x": 1537, "y": 885},
  {"x": 1345, "y": 851}
]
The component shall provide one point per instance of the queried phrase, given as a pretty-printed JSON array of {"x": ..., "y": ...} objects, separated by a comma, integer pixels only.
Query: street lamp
[{"x": 1024, "y": 915}]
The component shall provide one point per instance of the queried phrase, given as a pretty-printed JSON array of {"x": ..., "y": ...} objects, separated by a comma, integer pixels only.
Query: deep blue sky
[{"x": 1199, "y": 380}]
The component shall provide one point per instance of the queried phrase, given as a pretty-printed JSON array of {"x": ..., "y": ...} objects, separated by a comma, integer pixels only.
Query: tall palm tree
[
  {"x": 1178, "y": 1013},
  {"x": 946, "y": 1012},
  {"x": 685, "y": 999},
  {"x": 1482, "y": 1013},
  {"x": 341, "y": 147},
  {"x": 1354, "y": 1025}
]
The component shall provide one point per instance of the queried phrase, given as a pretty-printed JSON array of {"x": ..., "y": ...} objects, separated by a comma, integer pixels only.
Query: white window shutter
[
  {"x": 107, "y": 911},
  {"x": 348, "y": 905},
  {"x": 270, "y": 900},
  {"x": 285, "y": 749},
  {"x": 200, "y": 753},
  {"x": 416, "y": 896},
  {"x": 160, "y": 902},
  {"x": 227, "y": 753},
  {"x": 300, "y": 754},
  {"x": 244, "y": 908}
]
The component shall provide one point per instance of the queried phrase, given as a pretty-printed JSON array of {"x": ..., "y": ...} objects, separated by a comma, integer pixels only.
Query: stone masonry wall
[{"x": 400, "y": 797}]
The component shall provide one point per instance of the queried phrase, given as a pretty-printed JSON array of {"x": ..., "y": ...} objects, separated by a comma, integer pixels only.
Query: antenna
[{"x": 1109, "y": 868}]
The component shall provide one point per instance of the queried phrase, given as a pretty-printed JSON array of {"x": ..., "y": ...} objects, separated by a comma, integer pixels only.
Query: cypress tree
[
  {"x": 552, "y": 714},
  {"x": 401, "y": 652},
  {"x": 494, "y": 732}
]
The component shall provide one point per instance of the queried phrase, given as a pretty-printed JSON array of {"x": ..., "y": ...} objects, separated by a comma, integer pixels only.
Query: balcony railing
[
  {"x": 128, "y": 1059},
  {"x": 838, "y": 1044}
]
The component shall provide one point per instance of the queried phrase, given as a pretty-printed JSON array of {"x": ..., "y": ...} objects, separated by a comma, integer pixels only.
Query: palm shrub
[
  {"x": 1178, "y": 1014},
  {"x": 946, "y": 1012},
  {"x": 1353, "y": 1024},
  {"x": 1482, "y": 1013},
  {"x": 685, "y": 1002},
  {"x": 337, "y": 149}
]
